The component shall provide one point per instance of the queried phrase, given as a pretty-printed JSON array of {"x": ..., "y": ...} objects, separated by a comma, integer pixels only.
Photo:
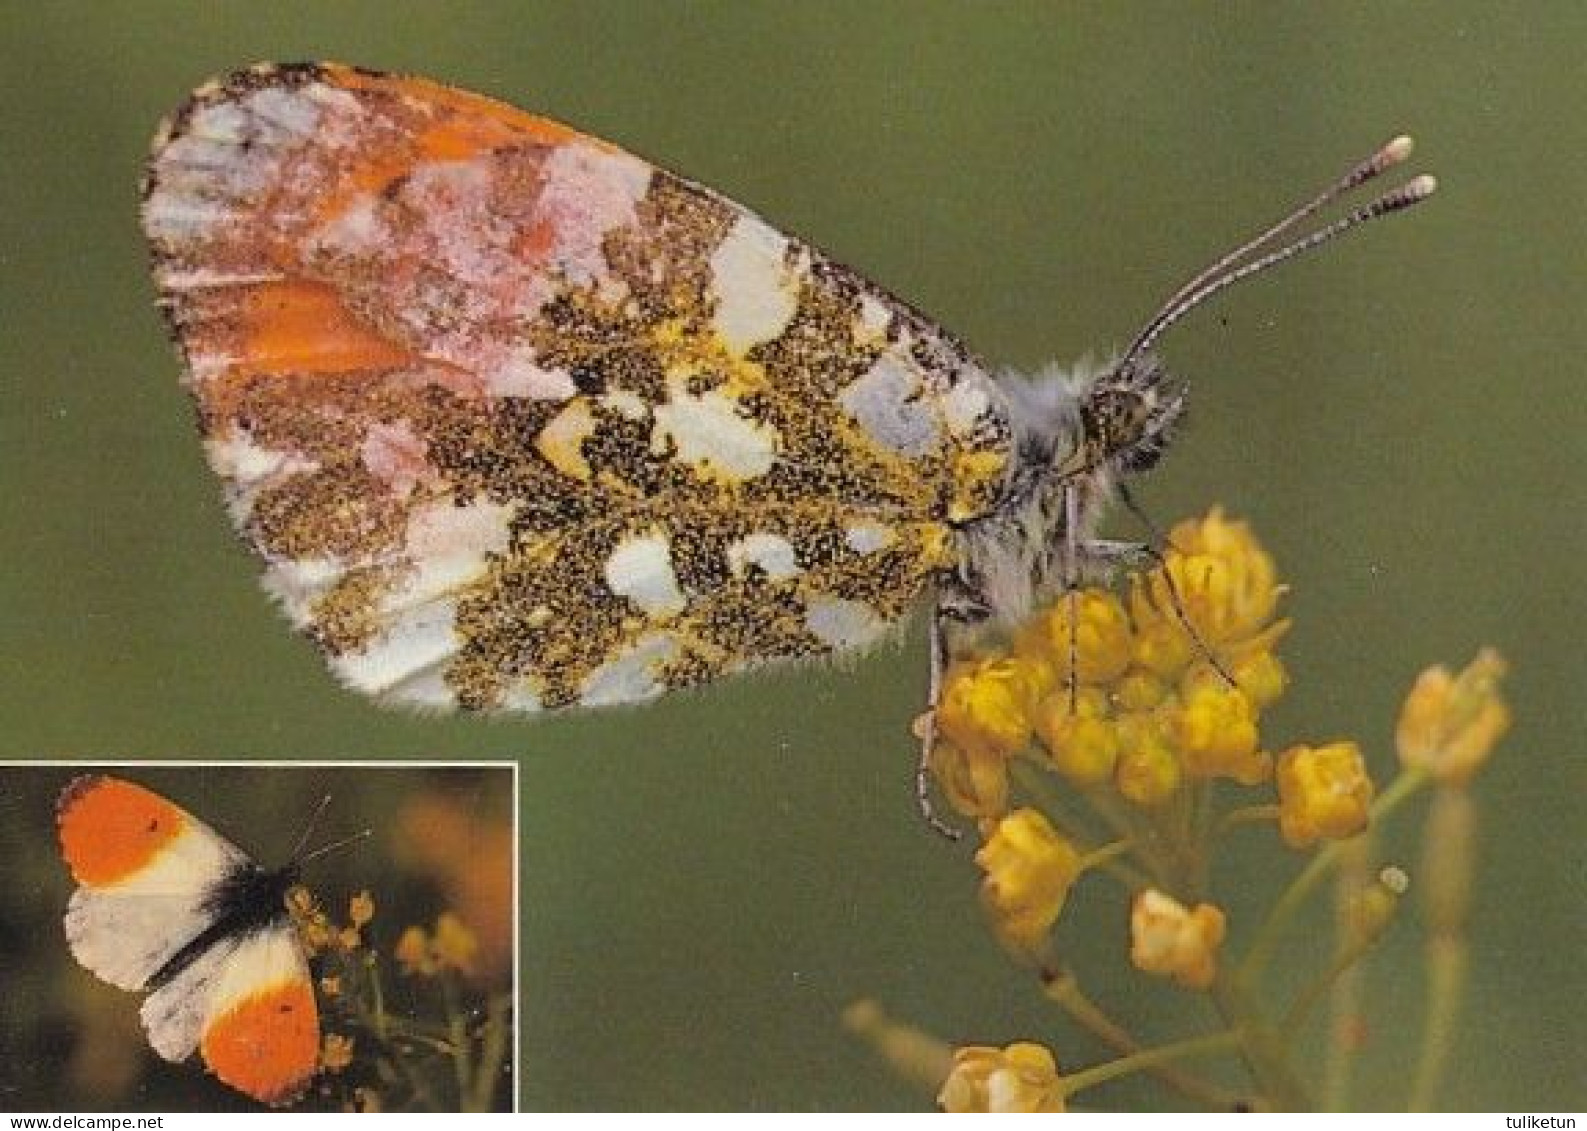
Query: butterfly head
[{"x": 1128, "y": 416}]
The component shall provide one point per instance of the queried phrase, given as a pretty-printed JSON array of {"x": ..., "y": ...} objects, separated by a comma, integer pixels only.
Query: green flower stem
[
  {"x": 1099, "y": 857},
  {"x": 1260, "y": 1047},
  {"x": 377, "y": 993},
  {"x": 1063, "y": 988},
  {"x": 457, "y": 1036},
  {"x": 1345, "y": 995},
  {"x": 1033, "y": 781},
  {"x": 1151, "y": 1058},
  {"x": 1248, "y": 815},
  {"x": 1446, "y": 980},
  {"x": 1319, "y": 986},
  {"x": 492, "y": 1055},
  {"x": 1322, "y": 862}
]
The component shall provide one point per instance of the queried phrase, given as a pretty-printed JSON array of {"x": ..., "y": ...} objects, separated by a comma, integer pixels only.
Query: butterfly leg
[{"x": 958, "y": 609}]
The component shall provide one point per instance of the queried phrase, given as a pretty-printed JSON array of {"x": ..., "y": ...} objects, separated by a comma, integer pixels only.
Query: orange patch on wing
[
  {"x": 268, "y": 1044},
  {"x": 301, "y": 326},
  {"x": 111, "y": 828},
  {"x": 464, "y": 125}
]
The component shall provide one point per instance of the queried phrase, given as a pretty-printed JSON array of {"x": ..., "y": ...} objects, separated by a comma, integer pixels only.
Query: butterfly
[
  {"x": 519, "y": 421},
  {"x": 167, "y": 905}
]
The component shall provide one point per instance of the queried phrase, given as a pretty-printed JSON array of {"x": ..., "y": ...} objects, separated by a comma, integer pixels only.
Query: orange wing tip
[
  {"x": 111, "y": 829},
  {"x": 477, "y": 119},
  {"x": 475, "y": 122},
  {"x": 268, "y": 1044}
]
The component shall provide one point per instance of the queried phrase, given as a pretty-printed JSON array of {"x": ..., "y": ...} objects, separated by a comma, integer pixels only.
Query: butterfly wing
[
  {"x": 143, "y": 866},
  {"x": 247, "y": 1003},
  {"x": 519, "y": 420}
]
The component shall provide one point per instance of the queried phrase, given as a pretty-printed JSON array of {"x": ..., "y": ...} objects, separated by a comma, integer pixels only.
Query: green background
[{"x": 707, "y": 882}]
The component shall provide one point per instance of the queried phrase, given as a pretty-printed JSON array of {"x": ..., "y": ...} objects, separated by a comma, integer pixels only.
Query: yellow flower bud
[
  {"x": 1215, "y": 729},
  {"x": 1029, "y": 869},
  {"x": 361, "y": 909},
  {"x": 1169, "y": 939},
  {"x": 1020, "y": 1078},
  {"x": 336, "y": 1052},
  {"x": 1100, "y": 636},
  {"x": 1217, "y": 576},
  {"x": 413, "y": 953},
  {"x": 1323, "y": 793},
  {"x": 1261, "y": 676},
  {"x": 986, "y": 704},
  {"x": 976, "y": 785},
  {"x": 1147, "y": 772},
  {"x": 1139, "y": 690},
  {"x": 456, "y": 946},
  {"x": 1082, "y": 743},
  {"x": 1450, "y": 724}
]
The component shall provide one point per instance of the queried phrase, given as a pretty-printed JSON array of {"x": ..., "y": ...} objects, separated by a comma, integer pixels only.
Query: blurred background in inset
[{"x": 709, "y": 881}]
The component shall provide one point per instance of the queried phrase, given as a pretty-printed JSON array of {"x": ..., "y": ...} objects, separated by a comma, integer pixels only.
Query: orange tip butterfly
[
  {"x": 518, "y": 421},
  {"x": 167, "y": 905}
]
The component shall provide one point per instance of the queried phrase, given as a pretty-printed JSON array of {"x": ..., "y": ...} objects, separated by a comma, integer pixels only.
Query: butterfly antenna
[
  {"x": 308, "y": 829},
  {"x": 1238, "y": 265},
  {"x": 362, "y": 834}
]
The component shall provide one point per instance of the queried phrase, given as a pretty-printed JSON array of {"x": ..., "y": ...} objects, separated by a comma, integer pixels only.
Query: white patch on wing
[
  {"x": 397, "y": 456},
  {"x": 755, "y": 295},
  {"x": 180, "y": 217},
  {"x": 283, "y": 115},
  {"x": 246, "y": 464},
  {"x": 449, "y": 543},
  {"x": 200, "y": 278},
  {"x": 640, "y": 569},
  {"x": 586, "y": 193},
  {"x": 264, "y": 959},
  {"x": 772, "y": 553},
  {"x": 127, "y": 930},
  {"x": 389, "y": 666},
  {"x": 888, "y": 403},
  {"x": 874, "y": 315},
  {"x": 841, "y": 623},
  {"x": 626, "y": 403},
  {"x": 518, "y": 374},
  {"x": 299, "y": 582},
  {"x": 173, "y": 1015},
  {"x": 521, "y": 696},
  {"x": 228, "y": 154},
  {"x": 964, "y": 407},
  {"x": 867, "y": 537},
  {"x": 632, "y": 676},
  {"x": 357, "y": 230},
  {"x": 707, "y": 432}
]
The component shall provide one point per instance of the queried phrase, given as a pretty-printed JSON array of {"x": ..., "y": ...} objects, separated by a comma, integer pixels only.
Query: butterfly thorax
[
  {"x": 1078, "y": 433},
  {"x": 247, "y": 899}
]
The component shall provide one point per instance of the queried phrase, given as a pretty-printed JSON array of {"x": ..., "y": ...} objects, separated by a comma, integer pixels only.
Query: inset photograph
[{"x": 248, "y": 936}]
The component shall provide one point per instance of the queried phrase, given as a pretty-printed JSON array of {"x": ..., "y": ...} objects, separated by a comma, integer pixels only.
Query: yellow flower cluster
[
  {"x": 451, "y": 946},
  {"x": 1149, "y": 708},
  {"x": 318, "y": 932}
]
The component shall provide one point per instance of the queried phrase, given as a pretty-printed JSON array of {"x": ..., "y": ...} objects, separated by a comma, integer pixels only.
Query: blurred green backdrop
[{"x": 707, "y": 882}]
